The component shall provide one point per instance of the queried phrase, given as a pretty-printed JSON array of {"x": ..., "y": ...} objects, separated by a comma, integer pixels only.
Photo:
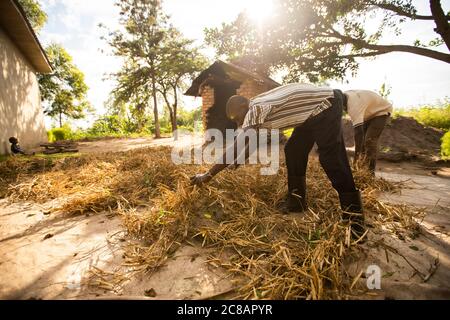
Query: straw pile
[{"x": 276, "y": 256}]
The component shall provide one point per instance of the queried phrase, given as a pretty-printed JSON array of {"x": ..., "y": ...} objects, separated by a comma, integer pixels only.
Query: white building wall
[{"x": 21, "y": 113}]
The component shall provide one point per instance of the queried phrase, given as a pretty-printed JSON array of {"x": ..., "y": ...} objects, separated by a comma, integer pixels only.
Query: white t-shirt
[{"x": 363, "y": 105}]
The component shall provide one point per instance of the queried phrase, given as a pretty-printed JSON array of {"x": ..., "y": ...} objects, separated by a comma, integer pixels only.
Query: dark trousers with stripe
[
  {"x": 325, "y": 129},
  {"x": 367, "y": 136}
]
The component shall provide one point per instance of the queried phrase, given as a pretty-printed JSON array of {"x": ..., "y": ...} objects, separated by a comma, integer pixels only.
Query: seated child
[{"x": 15, "y": 148}]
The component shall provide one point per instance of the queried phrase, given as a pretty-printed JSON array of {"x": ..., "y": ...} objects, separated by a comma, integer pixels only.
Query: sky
[{"x": 413, "y": 80}]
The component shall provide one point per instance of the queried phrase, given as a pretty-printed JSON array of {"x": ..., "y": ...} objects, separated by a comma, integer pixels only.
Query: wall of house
[
  {"x": 207, "y": 101},
  {"x": 21, "y": 114},
  {"x": 250, "y": 88}
]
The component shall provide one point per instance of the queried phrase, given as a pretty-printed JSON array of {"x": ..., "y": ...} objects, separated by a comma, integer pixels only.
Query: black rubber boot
[
  {"x": 296, "y": 198},
  {"x": 351, "y": 204}
]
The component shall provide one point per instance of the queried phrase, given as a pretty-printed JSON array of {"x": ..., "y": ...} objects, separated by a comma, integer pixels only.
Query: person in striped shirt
[{"x": 315, "y": 113}]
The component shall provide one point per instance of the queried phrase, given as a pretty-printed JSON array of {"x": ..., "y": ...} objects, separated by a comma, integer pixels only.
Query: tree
[
  {"x": 324, "y": 38},
  {"x": 140, "y": 44},
  {"x": 180, "y": 60},
  {"x": 126, "y": 115},
  {"x": 241, "y": 40},
  {"x": 64, "y": 90},
  {"x": 34, "y": 13},
  {"x": 157, "y": 58},
  {"x": 133, "y": 91}
]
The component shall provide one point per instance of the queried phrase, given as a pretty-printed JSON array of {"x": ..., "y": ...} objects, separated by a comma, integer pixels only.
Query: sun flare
[{"x": 259, "y": 10}]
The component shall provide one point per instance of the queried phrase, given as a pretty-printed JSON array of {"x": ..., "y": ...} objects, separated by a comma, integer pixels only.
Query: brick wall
[
  {"x": 250, "y": 88},
  {"x": 207, "y": 101}
]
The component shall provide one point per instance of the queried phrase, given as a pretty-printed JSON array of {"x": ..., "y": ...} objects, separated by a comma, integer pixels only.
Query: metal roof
[
  {"x": 233, "y": 71},
  {"x": 15, "y": 24}
]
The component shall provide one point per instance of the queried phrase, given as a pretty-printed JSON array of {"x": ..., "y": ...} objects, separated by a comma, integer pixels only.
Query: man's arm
[
  {"x": 218, "y": 167},
  {"x": 359, "y": 141}
]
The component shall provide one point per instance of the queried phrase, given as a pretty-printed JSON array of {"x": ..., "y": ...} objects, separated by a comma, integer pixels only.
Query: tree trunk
[
  {"x": 172, "y": 114},
  {"x": 140, "y": 108},
  {"x": 60, "y": 119},
  {"x": 442, "y": 26},
  {"x": 174, "y": 126},
  {"x": 174, "y": 111},
  {"x": 155, "y": 110}
]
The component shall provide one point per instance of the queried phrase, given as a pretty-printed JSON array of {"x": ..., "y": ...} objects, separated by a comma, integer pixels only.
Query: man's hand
[{"x": 201, "y": 178}]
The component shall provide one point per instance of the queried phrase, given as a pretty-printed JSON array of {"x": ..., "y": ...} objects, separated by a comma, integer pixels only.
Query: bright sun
[{"x": 259, "y": 10}]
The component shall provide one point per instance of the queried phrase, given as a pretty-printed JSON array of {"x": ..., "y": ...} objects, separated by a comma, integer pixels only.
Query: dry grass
[{"x": 276, "y": 256}]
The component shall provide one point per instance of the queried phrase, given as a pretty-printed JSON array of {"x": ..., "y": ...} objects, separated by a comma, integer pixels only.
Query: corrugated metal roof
[
  {"x": 233, "y": 71},
  {"x": 15, "y": 24}
]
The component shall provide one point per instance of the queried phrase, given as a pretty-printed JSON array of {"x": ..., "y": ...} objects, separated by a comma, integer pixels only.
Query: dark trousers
[
  {"x": 325, "y": 129},
  {"x": 367, "y": 136}
]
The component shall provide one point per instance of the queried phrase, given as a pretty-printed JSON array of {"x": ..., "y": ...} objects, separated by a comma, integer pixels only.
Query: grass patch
[{"x": 66, "y": 133}]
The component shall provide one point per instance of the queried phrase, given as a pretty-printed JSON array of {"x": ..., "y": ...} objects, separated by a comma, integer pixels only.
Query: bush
[
  {"x": 188, "y": 119},
  {"x": 108, "y": 125},
  {"x": 117, "y": 126},
  {"x": 445, "y": 147},
  {"x": 431, "y": 116},
  {"x": 58, "y": 134}
]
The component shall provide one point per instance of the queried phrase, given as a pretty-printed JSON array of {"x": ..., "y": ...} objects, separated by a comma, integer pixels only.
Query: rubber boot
[
  {"x": 351, "y": 205},
  {"x": 296, "y": 198}
]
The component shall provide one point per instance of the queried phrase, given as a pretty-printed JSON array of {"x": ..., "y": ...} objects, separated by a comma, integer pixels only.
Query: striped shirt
[{"x": 287, "y": 106}]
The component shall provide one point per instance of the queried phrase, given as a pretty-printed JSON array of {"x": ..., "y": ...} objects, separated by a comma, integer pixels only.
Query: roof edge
[
  {"x": 222, "y": 64},
  {"x": 19, "y": 29}
]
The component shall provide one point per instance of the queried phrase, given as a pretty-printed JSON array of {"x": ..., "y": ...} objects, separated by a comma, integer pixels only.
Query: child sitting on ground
[{"x": 15, "y": 148}]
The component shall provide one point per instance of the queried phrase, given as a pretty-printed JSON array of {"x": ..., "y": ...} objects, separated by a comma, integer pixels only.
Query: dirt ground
[
  {"x": 418, "y": 268},
  {"x": 404, "y": 139},
  {"x": 52, "y": 257},
  {"x": 112, "y": 145}
]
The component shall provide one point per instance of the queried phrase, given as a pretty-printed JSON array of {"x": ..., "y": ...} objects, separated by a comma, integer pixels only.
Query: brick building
[{"x": 221, "y": 81}]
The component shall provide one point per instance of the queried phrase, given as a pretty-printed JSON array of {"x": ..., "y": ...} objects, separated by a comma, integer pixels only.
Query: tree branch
[
  {"x": 442, "y": 26},
  {"x": 364, "y": 55},
  {"x": 382, "y": 49},
  {"x": 399, "y": 11}
]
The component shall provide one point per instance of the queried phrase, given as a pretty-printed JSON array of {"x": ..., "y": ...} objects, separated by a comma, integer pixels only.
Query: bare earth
[
  {"x": 421, "y": 270},
  {"x": 112, "y": 145},
  {"x": 51, "y": 257}
]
